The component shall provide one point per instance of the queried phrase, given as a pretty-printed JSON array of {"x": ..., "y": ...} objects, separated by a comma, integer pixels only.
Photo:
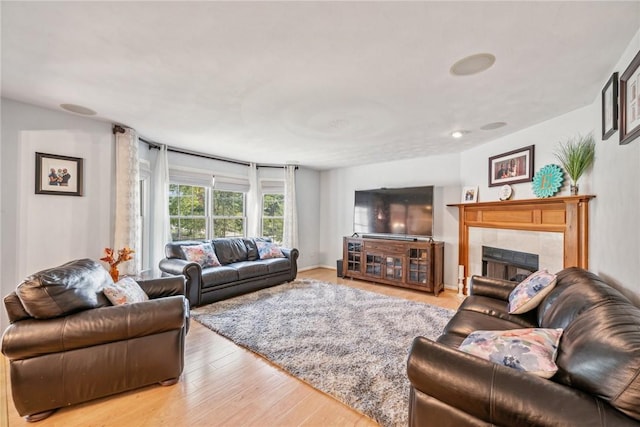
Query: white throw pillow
[{"x": 125, "y": 291}]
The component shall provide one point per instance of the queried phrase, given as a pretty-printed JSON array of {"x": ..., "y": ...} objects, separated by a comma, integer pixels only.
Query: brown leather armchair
[{"x": 67, "y": 344}]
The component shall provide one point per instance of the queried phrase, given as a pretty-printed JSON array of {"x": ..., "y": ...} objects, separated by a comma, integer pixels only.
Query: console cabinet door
[{"x": 419, "y": 266}]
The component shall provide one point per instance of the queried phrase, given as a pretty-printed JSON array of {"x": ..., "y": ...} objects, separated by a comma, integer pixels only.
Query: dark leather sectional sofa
[
  {"x": 598, "y": 381},
  {"x": 241, "y": 271}
]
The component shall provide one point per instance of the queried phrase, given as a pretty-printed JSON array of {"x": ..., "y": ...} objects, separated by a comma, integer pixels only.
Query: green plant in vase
[{"x": 576, "y": 156}]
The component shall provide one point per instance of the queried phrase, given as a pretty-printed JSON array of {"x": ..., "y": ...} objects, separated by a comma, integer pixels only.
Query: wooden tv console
[{"x": 409, "y": 263}]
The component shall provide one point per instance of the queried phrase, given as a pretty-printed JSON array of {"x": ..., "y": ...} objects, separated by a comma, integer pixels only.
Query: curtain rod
[{"x": 151, "y": 144}]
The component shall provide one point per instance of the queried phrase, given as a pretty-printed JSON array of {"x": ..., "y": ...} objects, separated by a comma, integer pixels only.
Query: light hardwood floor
[{"x": 222, "y": 385}]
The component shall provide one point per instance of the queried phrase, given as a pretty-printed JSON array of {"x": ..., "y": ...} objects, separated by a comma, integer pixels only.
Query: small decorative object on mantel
[
  {"x": 547, "y": 181},
  {"x": 124, "y": 254},
  {"x": 576, "y": 156},
  {"x": 505, "y": 192},
  {"x": 470, "y": 194}
]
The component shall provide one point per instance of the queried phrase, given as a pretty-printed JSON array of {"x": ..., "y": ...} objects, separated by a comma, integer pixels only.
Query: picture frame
[
  {"x": 511, "y": 167},
  {"x": 469, "y": 194},
  {"x": 58, "y": 175},
  {"x": 630, "y": 102},
  {"x": 610, "y": 107}
]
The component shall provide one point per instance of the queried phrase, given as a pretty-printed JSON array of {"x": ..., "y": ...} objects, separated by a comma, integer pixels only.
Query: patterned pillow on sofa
[
  {"x": 125, "y": 291},
  {"x": 268, "y": 250},
  {"x": 533, "y": 350},
  {"x": 202, "y": 254},
  {"x": 531, "y": 291}
]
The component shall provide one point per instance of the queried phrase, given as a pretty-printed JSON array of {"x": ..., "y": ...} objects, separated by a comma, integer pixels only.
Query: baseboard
[{"x": 313, "y": 267}]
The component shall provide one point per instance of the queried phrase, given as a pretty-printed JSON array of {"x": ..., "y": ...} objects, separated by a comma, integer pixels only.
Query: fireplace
[
  {"x": 565, "y": 219},
  {"x": 507, "y": 264}
]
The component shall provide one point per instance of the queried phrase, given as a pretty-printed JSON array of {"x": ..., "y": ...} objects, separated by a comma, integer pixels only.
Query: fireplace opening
[{"x": 507, "y": 264}]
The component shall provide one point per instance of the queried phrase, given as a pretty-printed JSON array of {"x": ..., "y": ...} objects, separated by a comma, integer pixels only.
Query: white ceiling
[{"x": 324, "y": 84}]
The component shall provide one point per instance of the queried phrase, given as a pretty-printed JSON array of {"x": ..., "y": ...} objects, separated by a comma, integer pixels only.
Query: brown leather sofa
[
  {"x": 241, "y": 271},
  {"x": 67, "y": 344},
  {"x": 597, "y": 384}
]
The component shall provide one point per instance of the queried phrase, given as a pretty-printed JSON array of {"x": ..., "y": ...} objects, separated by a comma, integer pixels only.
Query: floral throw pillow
[
  {"x": 533, "y": 350},
  {"x": 125, "y": 291},
  {"x": 531, "y": 291},
  {"x": 268, "y": 250},
  {"x": 202, "y": 254}
]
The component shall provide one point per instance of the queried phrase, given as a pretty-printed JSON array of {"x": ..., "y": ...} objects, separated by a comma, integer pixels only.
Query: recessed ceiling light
[
  {"x": 494, "y": 125},
  {"x": 78, "y": 109},
  {"x": 459, "y": 133},
  {"x": 472, "y": 64}
]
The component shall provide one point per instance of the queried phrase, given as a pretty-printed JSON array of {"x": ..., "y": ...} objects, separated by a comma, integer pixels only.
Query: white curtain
[
  {"x": 290, "y": 232},
  {"x": 127, "y": 216},
  {"x": 254, "y": 203},
  {"x": 160, "y": 233}
]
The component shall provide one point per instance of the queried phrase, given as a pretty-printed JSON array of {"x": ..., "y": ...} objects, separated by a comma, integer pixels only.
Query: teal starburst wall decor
[{"x": 548, "y": 180}]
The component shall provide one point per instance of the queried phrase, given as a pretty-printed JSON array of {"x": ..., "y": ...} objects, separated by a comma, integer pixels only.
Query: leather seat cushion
[
  {"x": 276, "y": 265},
  {"x": 214, "y": 276},
  {"x": 464, "y": 322},
  {"x": 500, "y": 309},
  {"x": 249, "y": 269},
  {"x": 69, "y": 288}
]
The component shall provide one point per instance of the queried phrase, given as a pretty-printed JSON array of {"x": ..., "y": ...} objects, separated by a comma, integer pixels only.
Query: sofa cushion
[
  {"x": 230, "y": 250},
  {"x": 276, "y": 265},
  {"x": 125, "y": 291},
  {"x": 252, "y": 248},
  {"x": 202, "y": 254},
  {"x": 464, "y": 322},
  {"x": 249, "y": 269},
  {"x": 532, "y": 350},
  {"x": 218, "y": 275},
  {"x": 499, "y": 309},
  {"x": 71, "y": 287},
  {"x": 531, "y": 291},
  {"x": 268, "y": 250}
]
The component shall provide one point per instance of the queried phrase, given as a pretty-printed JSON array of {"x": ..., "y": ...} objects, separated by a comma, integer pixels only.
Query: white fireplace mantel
[{"x": 568, "y": 215}]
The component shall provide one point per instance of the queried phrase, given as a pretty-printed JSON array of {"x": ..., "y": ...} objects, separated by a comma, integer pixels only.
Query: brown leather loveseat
[
  {"x": 67, "y": 344},
  {"x": 598, "y": 359}
]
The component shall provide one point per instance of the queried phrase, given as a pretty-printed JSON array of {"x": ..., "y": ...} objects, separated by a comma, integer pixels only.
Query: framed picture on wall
[
  {"x": 610, "y": 107},
  {"x": 58, "y": 175},
  {"x": 630, "y": 102},
  {"x": 511, "y": 167}
]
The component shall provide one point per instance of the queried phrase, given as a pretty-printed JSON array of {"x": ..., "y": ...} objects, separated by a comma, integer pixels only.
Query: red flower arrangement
[{"x": 124, "y": 254}]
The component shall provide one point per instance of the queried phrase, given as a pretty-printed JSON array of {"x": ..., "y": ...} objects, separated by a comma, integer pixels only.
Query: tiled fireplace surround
[{"x": 557, "y": 229}]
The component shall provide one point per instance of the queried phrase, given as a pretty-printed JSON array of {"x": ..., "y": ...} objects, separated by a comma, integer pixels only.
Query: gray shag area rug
[{"x": 346, "y": 342}]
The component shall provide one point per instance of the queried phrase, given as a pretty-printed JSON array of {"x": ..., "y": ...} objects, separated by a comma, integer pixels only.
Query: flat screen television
[{"x": 394, "y": 211}]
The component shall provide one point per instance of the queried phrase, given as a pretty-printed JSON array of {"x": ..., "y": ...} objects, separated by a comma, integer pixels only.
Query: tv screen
[{"x": 396, "y": 211}]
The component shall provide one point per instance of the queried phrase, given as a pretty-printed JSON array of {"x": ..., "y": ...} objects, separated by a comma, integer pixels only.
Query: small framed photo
[
  {"x": 511, "y": 167},
  {"x": 470, "y": 194},
  {"x": 630, "y": 102},
  {"x": 610, "y": 107},
  {"x": 58, "y": 175}
]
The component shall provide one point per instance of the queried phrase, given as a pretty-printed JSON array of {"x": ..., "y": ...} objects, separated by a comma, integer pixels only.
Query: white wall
[
  {"x": 337, "y": 196},
  {"x": 615, "y": 234},
  {"x": 39, "y": 231}
]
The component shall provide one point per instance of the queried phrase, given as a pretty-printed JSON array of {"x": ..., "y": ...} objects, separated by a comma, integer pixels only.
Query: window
[
  {"x": 187, "y": 207},
  {"x": 198, "y": 212},
  {"x": 273, "y": 216},
  {"x": 228, "y": 213}
]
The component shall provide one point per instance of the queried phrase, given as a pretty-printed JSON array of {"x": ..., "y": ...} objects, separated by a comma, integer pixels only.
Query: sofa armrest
[
  {"x": 32, "y": 337},
  {"x": 491, "y": 287},
  {"x": 500, "y": 395},
  {"x": 191, "y": 270},
  {"x": 164, "y": 286}
]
